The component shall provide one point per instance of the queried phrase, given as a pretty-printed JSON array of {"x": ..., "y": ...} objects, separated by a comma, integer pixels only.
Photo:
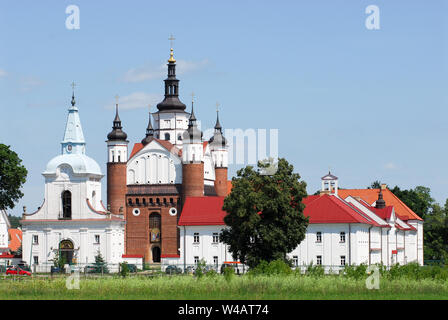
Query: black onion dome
[
  {"x": 117, "y": 134},
  {"x": 171, "y": 101},
  {"x": 192, "y": 133},
  {"x": 218, "y": 139}
]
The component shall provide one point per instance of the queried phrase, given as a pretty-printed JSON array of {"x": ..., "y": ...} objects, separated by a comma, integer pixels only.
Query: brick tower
[
  {"x": 218, "y": 147},
  {"x": 192, "y": 160},
  {"x": 117, "y": 147}
]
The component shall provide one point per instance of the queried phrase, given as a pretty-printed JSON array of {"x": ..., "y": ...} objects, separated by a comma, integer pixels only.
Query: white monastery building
[{"x": 346, "y": 227}]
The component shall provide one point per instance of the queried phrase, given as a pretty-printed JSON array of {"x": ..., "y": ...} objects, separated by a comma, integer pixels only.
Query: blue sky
[{"x": 370, "y": 104}]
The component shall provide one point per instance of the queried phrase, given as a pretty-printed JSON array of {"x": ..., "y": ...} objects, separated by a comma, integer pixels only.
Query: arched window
[
  {"x": 167, "y": 136},
  {"x": 67, "y": 204},
  {"x": 155, "y": 227},
  {"x": 93, "y": 199}
]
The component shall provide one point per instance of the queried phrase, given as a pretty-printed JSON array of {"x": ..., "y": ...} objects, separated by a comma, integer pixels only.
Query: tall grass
[{"x": 292, "y": 286}]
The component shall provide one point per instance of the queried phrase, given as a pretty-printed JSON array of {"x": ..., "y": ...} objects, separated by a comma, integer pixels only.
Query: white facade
[
  {"x": 202, "y": 242},
  {"x": 72, "y": 219},
  {"x": 332, "y": 244},
  {"x": 170, "y": 126},
  {"x": 154, "y": 164}
]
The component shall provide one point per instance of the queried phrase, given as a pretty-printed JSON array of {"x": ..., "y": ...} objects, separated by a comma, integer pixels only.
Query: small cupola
[
  {"x": 217, "y": 140},
  {"x": 380, "y": 203},
  {"x": 192, "y": 134},
  {"x": 329, "y": 184},
  {"x": 117, "y": 134}
]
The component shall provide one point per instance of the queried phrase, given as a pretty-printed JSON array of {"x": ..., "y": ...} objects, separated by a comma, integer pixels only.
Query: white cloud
[
  {"x": 3, "y": 73},
  {"x": 137, "y": 100},
  {"x": 390, "y": 166},
  {"x": 148, "y": 72}
]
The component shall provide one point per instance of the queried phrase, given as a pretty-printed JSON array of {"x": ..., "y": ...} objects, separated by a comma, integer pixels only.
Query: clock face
[{"x": 69, "y": 148}]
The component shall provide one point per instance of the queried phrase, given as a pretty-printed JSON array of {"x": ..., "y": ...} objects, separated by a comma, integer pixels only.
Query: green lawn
[{"x": 244, "y": 287}]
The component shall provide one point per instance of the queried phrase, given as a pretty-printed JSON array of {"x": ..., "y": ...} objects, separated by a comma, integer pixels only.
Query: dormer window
[{"x": 167, "y": 136}]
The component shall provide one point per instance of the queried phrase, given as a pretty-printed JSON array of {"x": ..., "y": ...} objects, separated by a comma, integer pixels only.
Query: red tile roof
[
  {"x": 331, "y": 209},
  {"x": 199, "y": 211},
  {"x": 371, "y": 195},
  {"x": 15, "y": 236},
  {"x": 166, "y": 144}
]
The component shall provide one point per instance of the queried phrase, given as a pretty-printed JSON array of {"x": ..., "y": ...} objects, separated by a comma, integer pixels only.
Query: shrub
[
  {"x": 124, "y": 269},
  {"x": 315, "y": 271},
  {"x": 229, "y": 273},
  {"x": 211, "y": 273},
  {"x": 355, "y": 271},
  {"x": 276, "y": 267},
  {"x": 200, "y": 269}
]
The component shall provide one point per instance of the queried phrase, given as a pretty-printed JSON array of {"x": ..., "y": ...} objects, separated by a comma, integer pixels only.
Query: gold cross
[
  {"x": 116, "y": 99},
  {"x": 217, "y": 106},
  {"x": 73, "y": 85},
  {"x": 171, "y": 38},
  {"x": 192, "y": 97}
]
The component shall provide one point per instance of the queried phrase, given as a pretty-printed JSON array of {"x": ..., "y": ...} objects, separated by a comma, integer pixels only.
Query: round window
[
  {"x": 136, "y": 212},
  {"x": 173, "y": 211}
]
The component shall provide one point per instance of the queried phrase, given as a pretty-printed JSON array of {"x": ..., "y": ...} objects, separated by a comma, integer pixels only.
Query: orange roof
[
  {"x": 15, "y": 239},
  {"x": 371, "y": 195}
]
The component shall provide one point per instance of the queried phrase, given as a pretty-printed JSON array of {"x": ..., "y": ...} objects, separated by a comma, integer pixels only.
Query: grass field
[{"x": 217, "y": 287}]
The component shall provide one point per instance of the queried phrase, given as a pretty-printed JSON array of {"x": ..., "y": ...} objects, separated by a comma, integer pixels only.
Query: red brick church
[{"x": 170, "y": 165}]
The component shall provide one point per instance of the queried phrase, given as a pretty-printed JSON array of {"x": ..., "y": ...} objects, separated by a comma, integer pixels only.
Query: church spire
[
  {"x": 192, "y": 134},
  {"x": 171, "y": 101},
  {"x": 73, "y": 141},
  {"x": 218, "y": 139},
  {"x": 117, "y": 133},
  {"x": 149, "y": 131}
]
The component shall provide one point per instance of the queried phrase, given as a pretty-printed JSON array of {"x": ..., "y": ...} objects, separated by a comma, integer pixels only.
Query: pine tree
[{"x": 100, "y": 264}]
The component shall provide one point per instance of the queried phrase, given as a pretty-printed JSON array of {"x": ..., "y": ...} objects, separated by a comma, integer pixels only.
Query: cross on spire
[
  {"x": 73, "y": 85},
  {"x": 171, "y": 38},
  {"x": 217, "y": 106},
  {"x": 116, "y": 99},
  {"x": 192, "y": 96}
]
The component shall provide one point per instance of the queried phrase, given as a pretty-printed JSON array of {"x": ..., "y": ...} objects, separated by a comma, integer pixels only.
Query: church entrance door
[
  {"x": 66, "y": 249},
  {"x": 156, "y": 254}
]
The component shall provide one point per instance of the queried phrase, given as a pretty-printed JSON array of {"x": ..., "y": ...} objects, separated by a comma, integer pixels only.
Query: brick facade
[
  {"x": 221, "y": 182},
  {"x": 116, "y": 186}
]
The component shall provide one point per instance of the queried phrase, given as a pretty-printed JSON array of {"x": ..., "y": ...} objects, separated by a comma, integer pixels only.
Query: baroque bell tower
[{"x": 117, "y": 149}]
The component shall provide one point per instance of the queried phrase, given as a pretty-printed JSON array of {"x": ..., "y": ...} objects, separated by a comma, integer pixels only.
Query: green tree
[
  {"x": 265, "y": 213},
  {"x": 418, "y": 199},
  {"x": 12, "y": 177},
  {"x": 100, "y": 265},
  {"x": 14, "y": 221},
  {"x": 375, "y": 185}
]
